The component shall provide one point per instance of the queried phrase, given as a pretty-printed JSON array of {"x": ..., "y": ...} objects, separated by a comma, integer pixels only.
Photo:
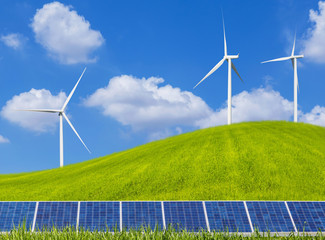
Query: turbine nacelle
[
  {"x": 298, "y": 56},
  {"x": 232, "y": 56}
]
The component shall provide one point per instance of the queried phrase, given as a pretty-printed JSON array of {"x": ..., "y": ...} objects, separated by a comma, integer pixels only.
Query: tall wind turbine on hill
[
  {"x": 230, "y": 66},
  {"x": 61, "y": 116},
  {"x": 293, "y": 58}
]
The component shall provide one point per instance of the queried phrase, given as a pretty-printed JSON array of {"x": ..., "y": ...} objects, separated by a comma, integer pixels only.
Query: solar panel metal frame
[
  {"x": 35, "y": 215},
  {"x": 248, "y": 216}
]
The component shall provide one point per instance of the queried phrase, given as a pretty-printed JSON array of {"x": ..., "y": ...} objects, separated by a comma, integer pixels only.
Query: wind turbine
[
  {"x": 61, "y": 116},
  {"x": 293, "y": 58},
  {"x": 230, "y": 66}
]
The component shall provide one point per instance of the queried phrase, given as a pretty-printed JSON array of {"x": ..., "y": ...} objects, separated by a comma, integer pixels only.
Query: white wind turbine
[
  {"x": 293, "y": 58},
  {"x": 230, "y": 66},
  {"x": 61, "y": 115}
]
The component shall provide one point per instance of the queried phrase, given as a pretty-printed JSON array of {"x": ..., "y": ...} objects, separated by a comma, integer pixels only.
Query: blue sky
[{"x": 143, "y": 59}]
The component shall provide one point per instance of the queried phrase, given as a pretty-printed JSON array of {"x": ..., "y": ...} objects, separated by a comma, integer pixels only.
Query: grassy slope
[{"x": 259, "y": 160}]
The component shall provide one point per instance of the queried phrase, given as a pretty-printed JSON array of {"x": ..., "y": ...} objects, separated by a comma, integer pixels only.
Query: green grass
[
  {"x": 145, "y": 234},
  {"x": 246, "y": 161}
]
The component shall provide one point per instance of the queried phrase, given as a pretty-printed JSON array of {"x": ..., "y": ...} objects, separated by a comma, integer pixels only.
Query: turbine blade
[
  {"x": 211, "y": 71},
  {"x": 71, "y": 93},
  {"x": 39, "y": 110},
  {"x": 278, "y": 59},
  {"x": 224, "y": 37},
  {"x": 293, "y": 48},
  {"x": 234, "y": 68},
  {"x": 66, "y": 118}
]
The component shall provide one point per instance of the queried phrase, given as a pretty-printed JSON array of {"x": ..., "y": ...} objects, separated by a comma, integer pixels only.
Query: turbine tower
[
  {"x": 61, "y": 116},
  {"x": 293, "y": 58},
  {"x": 230, "y": 66}
]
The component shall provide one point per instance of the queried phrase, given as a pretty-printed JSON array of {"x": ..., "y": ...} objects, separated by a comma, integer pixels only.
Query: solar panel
[
  {"x": 142, "y": 214},
  {"x": 185, "y": 215},
  {"x": 15, "y": 214},
  {"x": 308, "y": 216},
  {"x": 56, "y": 214},
  {"x": 99, "y": 216},
  {"x": 270, "y": 216},
  {"x": 222, "y": 215},
  {"x": 227, "y": 216}
]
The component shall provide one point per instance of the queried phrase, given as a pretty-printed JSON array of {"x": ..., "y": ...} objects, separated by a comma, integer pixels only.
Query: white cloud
[
  {"x": 160, "y": 135},
  {"x": 163, "y": 111},
  {"x": 316, "y": 116},
  {"x": 66, "y": 35},
  {"x": 13, "y": 40},
  {"x": 314, "y": 47},
  {"x": 34, "y": 121},
  {"x": 4, "y": 140},
  {"x": 259, "y": 104},
  {"x": 142, "y": 104}
]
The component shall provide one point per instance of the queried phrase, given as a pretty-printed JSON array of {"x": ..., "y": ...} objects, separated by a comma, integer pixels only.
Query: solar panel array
[
  {"x": 308, "y": 216},
  {"x": 185, "y": 216},
  {"x": 142, "y": 214},
  {"x": 99, "y": 216},
  {"x": 15, "y": 214},
  {"x": 230, "y": 216},
  {"x": 270, "y": 216},
  {"x": 56, "y": 214}
]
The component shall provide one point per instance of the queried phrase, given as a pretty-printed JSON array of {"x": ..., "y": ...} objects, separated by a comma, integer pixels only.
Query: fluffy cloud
[
  {"x": 3, "y": 139},
  {"x": 142, "y": 104},
  {"x": 12, "y": 40},
  {"x": 34, "y": 121},
  {"x": 316, "y": 116},
  {"x": 66, "y": 35},
  {"x": 163, "y": 110},
  {"x": 259, "y": 104},
  {"x": 314, "y": 47}
]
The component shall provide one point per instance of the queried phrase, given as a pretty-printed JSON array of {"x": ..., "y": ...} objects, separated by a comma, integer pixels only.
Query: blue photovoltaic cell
[
  {"x": 14, "y": 214},
  {"x": 270, "y": 216},
  {"x": 227, "y": 216},
  {"x": 57, "y": 214},
  {"x": 145, "y": 214},
  {"x": 99, "y": 216},
  {"x": 185, "y": 215},
  {"x": 308, "y": 216}
]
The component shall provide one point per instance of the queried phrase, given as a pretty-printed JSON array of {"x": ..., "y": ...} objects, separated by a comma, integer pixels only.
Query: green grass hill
[{"x": 246, "y": 161}]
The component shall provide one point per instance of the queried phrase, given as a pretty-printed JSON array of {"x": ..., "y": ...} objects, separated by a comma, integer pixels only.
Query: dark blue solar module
[
  {"x": 15, "y": 214},
  {"x": 270, "y": 216},
  {"x": 142, "y": 214},
  {"x": 57, "y": 214},
  {"x": 308, "y": 216},
  {"x": 227, "y": 216},
  {"x": 99, "y": 216},
  {"x": 185, "y": 215}
]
